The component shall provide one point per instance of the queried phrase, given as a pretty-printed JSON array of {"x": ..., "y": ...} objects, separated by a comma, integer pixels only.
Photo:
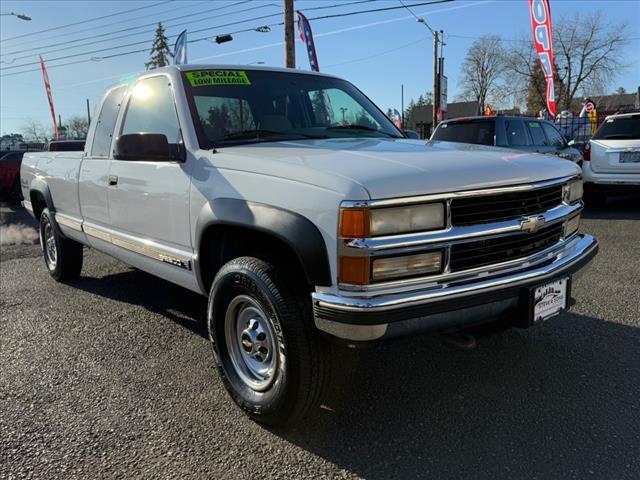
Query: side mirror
[
  {"x": 571, "y": 143},
  {"x": 143, "y": 146}
]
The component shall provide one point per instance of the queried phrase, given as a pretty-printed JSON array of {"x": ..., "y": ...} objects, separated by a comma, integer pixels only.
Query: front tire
[
  {"x": 270, "y": 358},
  {"x": 62, "y": 256}
]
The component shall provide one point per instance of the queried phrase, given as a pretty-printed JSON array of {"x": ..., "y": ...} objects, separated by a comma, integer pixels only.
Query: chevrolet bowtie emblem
[{"x": 532, "y": 224}]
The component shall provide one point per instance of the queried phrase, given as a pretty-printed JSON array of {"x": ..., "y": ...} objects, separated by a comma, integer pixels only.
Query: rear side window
[
  {"x": 623, "y": 128},
  {"x": 516, "y": 133},
  {"x": 553, "y": 135},
  {"x": 107, "y": 122},
  {"x": 535, "y": 129},
  {"x": 478, "y": 132}
]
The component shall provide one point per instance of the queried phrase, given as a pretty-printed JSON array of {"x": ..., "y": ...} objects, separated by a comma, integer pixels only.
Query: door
[
  {"x": 93, "y": 181},
  {"x": 148, "y": 200}
]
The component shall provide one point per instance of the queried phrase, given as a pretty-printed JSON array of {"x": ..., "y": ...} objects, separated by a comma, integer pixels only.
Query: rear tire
[
  {"x": 62, "y": 256},
  {"x": 271, "y": 359}
]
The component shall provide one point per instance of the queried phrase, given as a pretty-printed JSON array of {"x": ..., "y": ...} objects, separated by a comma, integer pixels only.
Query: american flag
[{"x": 304, "y": 27}]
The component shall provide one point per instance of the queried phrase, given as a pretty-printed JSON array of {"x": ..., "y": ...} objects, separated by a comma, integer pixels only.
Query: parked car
[
  {"x": 67, "y": 146},
  {"x": 612, "y": 159},
  {"x": 518, "y": 133},
  {"x": 293, "y": 203},
  {"x": 10, "y": 175}
]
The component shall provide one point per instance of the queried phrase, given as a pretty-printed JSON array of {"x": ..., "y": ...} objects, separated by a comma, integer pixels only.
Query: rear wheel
[
  {"x": 268, "y": 354},
  {"x": 62, "y": 256}
]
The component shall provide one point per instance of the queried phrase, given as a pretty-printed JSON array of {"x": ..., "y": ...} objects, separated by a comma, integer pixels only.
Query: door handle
[{"x": 113, "y": 180}]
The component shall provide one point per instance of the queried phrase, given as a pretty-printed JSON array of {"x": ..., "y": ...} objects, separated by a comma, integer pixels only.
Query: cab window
[
  {"x": 106, "y": 123},
  {"x": 537, "y": 134},
  {"x": 553, "y": 135},
  {"x": 151, "y": 109},
  {"x": 516, "y": 133}
]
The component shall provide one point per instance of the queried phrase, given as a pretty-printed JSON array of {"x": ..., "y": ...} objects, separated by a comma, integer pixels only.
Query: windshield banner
[
  {"x": 47, "y": 87},
  {"x": 542, "y": 39},
  {"x": 304, "y": 27}
]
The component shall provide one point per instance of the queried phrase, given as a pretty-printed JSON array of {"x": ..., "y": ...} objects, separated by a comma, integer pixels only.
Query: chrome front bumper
[{"x": 366, "y": 318}]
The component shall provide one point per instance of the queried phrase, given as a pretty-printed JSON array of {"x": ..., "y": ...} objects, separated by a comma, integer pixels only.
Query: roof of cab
[{"x": 212, "y": 66}]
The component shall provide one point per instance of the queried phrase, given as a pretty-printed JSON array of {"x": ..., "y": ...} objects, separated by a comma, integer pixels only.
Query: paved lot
[{"x": 112, "y": 377}]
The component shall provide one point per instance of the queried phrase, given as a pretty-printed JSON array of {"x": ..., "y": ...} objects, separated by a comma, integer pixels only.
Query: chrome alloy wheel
[
  {"x": 252, "y": 343},
  {"x": 48, "y": 241}
]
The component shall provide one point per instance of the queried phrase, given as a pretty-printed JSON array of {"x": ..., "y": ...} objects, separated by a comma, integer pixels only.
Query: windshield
[
  {"x": 477, "y": 131},
  {"x": 621, "y": 128},
  {"x": 231, "y": 107}
]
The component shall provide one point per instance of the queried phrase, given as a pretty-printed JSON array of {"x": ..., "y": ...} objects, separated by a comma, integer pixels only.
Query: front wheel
[
  {"x": 268, "y": 354},
  {"x": 62, "y": 256}
]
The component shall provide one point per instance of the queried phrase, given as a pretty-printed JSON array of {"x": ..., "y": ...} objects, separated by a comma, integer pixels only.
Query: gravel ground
[{"x": 112, "y": 377}]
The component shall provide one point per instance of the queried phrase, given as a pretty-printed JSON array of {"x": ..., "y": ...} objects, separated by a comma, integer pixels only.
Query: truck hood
[{"x": 389, "y": 168}]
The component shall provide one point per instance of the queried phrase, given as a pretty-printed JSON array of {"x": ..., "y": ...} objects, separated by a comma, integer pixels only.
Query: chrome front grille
[
  {"x": 484, "y": 236},
  {"x": 478, "y": 253},
  {"x": 504, "y": 206}
]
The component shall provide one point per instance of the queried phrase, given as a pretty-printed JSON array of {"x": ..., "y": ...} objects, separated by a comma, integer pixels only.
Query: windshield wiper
[
  {"x": 352, "y": 126},
  {"x": 260, "y": 133}
]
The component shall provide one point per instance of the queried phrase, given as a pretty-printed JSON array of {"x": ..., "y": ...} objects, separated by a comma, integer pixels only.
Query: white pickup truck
[{"x": 304, "y": 214}]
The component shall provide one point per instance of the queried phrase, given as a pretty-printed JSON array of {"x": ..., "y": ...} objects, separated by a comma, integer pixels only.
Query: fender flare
[
  {"x": 39, "y": 185},
  {"x": 296, "y": 231}
]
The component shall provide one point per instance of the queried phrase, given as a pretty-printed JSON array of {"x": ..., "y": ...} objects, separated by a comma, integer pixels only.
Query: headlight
[
  {"x": 573, "y": 191},
  {"x": 362, "y": 222}
]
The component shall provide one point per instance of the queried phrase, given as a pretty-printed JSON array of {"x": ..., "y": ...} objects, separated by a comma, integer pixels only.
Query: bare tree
[
  {"x": 34, "y": 131},
  {"x": 78, "y": 127},
  {"x": 482, "y": 69},
  {"x": 588, "y": 54}
]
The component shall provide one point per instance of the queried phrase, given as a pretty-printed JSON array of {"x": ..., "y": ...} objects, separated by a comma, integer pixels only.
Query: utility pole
[
  {"x": 289, "y": 40},
  {"x": 402, "y": 106},
  {"x": 88, "y": 114},
  {"x": 436, "y": 89}
]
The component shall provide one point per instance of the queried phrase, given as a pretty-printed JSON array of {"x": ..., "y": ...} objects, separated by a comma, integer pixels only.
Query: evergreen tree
[{"x": 160, "y": 51}]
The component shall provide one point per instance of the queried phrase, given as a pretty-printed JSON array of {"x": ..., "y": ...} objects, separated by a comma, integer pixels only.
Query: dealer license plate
[
  {"x": 549, "y": 299},
  {"x": 630, "y": 157}
]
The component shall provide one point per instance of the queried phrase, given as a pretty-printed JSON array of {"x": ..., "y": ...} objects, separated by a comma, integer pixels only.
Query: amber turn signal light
[
  {"x": 354, "y": 223},
  {"x": 355, "y": 270}
]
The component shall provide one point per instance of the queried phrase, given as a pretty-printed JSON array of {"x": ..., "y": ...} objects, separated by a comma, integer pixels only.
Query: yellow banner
[{"x": 217, "y": 77}]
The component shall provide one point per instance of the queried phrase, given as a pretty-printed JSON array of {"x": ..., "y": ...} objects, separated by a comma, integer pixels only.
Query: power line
[
  {"x": 137, "y": 27},
  {"x": 384, "y": 9},
  {"x": 164, "y": 21},
  {"x": 86, "y": 21},
  {"x": 204, "y": 38},
  {"x": 109, "y": 24},
  {"x": 324, "y": 7},
  {"x": 143, "y": 42},
  {"x": 418, "y": 19},
  {"x": 379, "y": 54}
]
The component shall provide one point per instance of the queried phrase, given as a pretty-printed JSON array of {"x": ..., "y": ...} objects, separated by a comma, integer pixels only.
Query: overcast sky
[{"x": 377, "y": 51}]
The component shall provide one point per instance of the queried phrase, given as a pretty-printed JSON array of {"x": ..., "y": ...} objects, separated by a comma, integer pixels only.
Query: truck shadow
[
  {"x": 558, "y": 401},
  {"x": 552, "y": 402},
  {"x": 182, "y": 306}
]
